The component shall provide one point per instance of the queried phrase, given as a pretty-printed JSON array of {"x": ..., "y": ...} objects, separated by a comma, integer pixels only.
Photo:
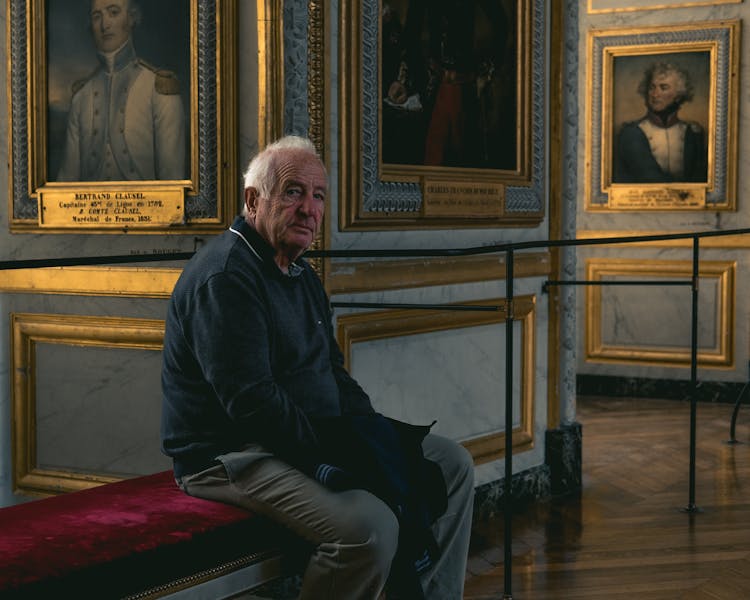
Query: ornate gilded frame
[
  {"x": 362, "y": 327},
  {"x": 720, "y": 354},
  {"x": 598, "y": 7},
  {"x": 374, "y": 195},
  {"x": 27, "y": 331},
  {"x": 716, "y": 44},
  {"x": 202, "y": 203}
]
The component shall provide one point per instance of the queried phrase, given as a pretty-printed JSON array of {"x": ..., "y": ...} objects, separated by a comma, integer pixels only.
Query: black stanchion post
[
  {"x": 507, "y": 488},
  {"x": 733, "y": 424},
  {"x": 691, "y": 507}
]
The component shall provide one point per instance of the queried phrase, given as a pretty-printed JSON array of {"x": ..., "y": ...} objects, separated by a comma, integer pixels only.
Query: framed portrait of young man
[{"x": 662, "y": 113}]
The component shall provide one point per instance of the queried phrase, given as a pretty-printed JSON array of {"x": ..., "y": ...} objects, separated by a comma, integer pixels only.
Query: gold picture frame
[
  {"x": 621, "y": 63},
  {"x": 384, "y": 182},
  {"x": 718, "y": 288},
  {"x": 53, "y": 57},
  {"x": 598, "y": 7},
  {"x": 382, "y": 325},
  {"x": 32, "y": 330}
]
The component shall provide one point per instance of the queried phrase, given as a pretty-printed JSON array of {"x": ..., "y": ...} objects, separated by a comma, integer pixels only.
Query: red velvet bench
[{"x": 137, "y": 538}]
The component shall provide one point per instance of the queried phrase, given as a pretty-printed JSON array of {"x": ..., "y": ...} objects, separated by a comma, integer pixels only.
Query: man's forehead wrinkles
[{"x": 309, "y": 175}]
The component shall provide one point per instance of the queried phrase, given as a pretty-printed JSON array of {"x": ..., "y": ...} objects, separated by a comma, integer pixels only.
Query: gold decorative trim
[
  {"x": 722, "y": 241},
  {"x": 260, "y": 566},
  {"x": 27, "y": 331},
  {"x": 661, "y": 6},
  {"x": 720, "y": 356},
  {"x": 342, "y": 277},
  {"x": 354, "y": 277},
  {"x": 367, "y": 276},
  {"x": 270, "y": 71},
  {"x": 316, "y": 36},
  {"x": 92, "y": 281},
  {"x": 380, "y": 325},
  {"x": 315, "y": 100}
]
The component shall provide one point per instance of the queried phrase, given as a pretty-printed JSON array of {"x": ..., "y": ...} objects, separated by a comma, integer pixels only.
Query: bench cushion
[{"x": 116, "y": 539}]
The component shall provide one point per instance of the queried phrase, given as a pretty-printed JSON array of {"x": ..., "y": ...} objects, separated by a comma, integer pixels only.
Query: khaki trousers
[{"x": 354, "y": 534}]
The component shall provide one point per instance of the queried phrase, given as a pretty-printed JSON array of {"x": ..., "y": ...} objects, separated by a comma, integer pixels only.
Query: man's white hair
[{"x": 261, "y": 172}]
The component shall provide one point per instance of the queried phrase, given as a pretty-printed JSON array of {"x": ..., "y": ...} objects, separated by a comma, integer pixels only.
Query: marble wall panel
[
  {"x": 645, "y": 331},
  {"x": 98, "y": 410},
  {"x": 456, "y": 377}
]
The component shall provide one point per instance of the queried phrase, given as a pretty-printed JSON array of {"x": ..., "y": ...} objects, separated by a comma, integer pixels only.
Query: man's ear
[{"x": 251, "y": 198}]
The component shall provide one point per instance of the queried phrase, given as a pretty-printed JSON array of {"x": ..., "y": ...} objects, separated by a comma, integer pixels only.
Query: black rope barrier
[
  {"x": 373, "y": 253},
  {"x": 691, "y": 507},
  {"x": 735, "y": 412},
  {"x": 41, "y": 263}
]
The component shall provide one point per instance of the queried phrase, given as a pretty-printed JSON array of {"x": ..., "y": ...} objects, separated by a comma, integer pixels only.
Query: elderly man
[
  {"x": 251, "y": 366},
  {"x": 126, "y": 120},
  {"x": 660, "y": 147}
]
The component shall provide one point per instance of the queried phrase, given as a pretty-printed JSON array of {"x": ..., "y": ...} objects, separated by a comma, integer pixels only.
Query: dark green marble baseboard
[
  {"x": 526, "y": 487},
  {"x": 666, "y": 389}
]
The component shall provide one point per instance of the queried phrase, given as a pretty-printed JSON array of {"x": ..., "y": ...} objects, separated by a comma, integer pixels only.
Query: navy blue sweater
[{"x": 249, "y": 356}]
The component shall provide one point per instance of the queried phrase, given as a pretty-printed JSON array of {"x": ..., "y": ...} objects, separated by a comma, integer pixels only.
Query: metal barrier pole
[
  {"x": 507, "y": 488},
  {"x": 733, "y": 424},
  {"x": 691, "y": 507}
]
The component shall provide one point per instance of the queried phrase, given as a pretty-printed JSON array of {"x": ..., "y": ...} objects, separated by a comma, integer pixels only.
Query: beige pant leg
[
  {"x": 445, "y": 580},
  {"x": 354, "y": 533}
]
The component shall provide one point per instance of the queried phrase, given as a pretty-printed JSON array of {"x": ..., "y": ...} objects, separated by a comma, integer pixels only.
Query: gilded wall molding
[
  {"x": 720, "y": 355},
  {"x": 367, "y": 276},
  {"x": 270, "y": 70},
  {"x": 343, "y": 277},
  {"x": 380, "y": 325},
  {"x": 28, "y": 330},
  {"x": 723, "y": 241},
  {"x": 92, "y": 281}
]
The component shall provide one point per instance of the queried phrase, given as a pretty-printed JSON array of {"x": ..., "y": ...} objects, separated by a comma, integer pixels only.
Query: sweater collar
[{"x": 262, "y": 249}]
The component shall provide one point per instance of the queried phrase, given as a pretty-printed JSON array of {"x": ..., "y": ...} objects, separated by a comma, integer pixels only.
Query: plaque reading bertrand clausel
[{"x": 112, "y": 208}]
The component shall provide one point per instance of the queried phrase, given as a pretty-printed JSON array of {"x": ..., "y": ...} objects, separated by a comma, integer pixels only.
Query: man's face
[
  {"x": 290, "y": 218},
  {"x": 111, "y": 23},
  {"x": 663, "y": 91}
]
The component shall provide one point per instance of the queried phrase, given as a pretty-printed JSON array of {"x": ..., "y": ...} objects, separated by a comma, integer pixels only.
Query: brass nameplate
[
  {"x": 463, "y": 199},
  {"x": 130, "y": 206},
  {"x": 685, "y": 197}
]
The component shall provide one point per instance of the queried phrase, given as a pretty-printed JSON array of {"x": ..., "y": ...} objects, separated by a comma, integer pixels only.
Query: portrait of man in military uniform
[
  {"x": 660, "y": 118},
  {"x": 126, "y": 117}
]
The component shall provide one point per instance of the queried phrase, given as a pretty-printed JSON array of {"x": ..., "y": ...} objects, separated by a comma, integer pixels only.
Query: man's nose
[{"x": 308, "y": 205}]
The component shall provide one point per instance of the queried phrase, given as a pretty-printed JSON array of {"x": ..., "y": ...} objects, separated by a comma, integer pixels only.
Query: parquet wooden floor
[{"x": 626, "y": 535}]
